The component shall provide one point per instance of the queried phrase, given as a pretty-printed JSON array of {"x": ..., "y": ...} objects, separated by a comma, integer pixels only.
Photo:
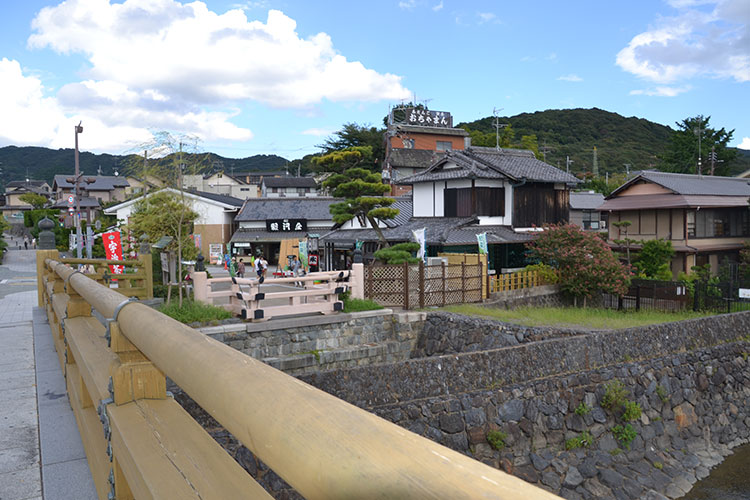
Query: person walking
[
  {"x": 25, "y": 242},
  {"x": 295, "y": 267},
  {"x": 262, "y": 267},
  {"x": 241, "y": 269}
]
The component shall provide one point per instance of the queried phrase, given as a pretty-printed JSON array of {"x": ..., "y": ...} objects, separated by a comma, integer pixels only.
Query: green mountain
[
  {"x": 573, "y": 134},
  {"x": 18, "y": 163}
]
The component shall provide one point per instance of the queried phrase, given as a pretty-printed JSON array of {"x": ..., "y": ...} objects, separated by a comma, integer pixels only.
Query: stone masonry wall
[
  {"x": 310, "y": 344},
  {"x": 689, "y": 378}
]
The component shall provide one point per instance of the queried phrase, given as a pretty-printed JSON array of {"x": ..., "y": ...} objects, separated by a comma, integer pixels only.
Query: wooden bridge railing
[
  {"x": 136, "y": 281},
  {"x": 151, "y": 448}
]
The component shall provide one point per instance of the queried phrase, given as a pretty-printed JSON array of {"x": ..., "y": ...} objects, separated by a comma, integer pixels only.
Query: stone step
[{"x": 343, "y": 357}]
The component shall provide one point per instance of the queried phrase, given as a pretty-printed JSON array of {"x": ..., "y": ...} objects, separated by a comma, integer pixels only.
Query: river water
[{"x": 729, "y": 480}]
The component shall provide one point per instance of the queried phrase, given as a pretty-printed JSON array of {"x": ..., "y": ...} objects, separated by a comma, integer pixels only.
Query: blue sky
[{"x": 277, "y": 77}]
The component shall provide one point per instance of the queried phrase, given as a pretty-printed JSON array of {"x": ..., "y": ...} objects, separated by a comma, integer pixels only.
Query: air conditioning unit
[{"x": 437, "y": 261}]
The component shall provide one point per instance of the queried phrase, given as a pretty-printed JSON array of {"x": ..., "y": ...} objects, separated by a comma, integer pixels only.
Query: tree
[
  {"x": 361, "y": 188},
  {"x": 584, "y": 263},
  {"x": 355, "y": 136},
  {"x": 623, "y": 226},
  {"x": 35, "y": 200},
  {"x": 531, "y": 143},
  {"x": 682, "y": 153},
  {"x": 399, "y": 253},
  {"x": 654, "y": 258}
]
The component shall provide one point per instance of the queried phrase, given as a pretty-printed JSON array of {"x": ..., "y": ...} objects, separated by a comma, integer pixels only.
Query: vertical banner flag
[
  {"x": 482, "y": 239},
  {"x": 303, "y": 253},
  {"x": 419, "y": 237},
  {"x": 113, "y": 250}
]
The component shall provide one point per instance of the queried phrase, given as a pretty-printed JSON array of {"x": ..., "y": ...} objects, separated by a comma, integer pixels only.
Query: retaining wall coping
[{"x": 298, "y": 322}]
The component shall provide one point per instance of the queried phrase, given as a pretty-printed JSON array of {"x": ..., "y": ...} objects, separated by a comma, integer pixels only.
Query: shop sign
[
  {"x": 427, "y": 118},
  {"x": 241, "y": 244},
  {"x": 286, "y": 225}
]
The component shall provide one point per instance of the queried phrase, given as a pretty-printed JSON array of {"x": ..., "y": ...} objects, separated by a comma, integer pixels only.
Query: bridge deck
[{"x": 41, "y": 455}]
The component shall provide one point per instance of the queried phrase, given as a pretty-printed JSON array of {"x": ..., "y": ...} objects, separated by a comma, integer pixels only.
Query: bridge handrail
[{"x": 321, "y": 445}]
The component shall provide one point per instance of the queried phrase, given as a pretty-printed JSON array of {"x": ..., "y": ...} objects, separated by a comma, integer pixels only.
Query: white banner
[{"x": 419, "y": 237}]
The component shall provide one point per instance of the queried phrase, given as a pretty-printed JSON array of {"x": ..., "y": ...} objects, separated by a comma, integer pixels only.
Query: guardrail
[
  {"x": 151, "y": 448},
  {"x": 136, "y": 281}
]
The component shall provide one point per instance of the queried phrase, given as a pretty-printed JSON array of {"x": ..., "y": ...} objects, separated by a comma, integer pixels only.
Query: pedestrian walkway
[{"x": 41, "y": 455}]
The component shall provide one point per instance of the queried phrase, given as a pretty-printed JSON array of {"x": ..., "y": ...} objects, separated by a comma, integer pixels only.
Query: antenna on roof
[{"x": 496, "y": 114}]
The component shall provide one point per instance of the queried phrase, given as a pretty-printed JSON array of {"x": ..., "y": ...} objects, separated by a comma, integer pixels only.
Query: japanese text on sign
[
  {"x": 113, "y": 250},
  {"x": 286, "y": 225},
  {"x": 427, "y": 118}
]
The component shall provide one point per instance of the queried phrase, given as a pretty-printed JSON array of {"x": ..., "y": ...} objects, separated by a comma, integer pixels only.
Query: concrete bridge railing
[{"x": 141, "y": 444}]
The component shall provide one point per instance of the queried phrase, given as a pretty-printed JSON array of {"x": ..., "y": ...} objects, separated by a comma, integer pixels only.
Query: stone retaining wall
[
  {"x": 448, "y": 333},
  {"x": 310, "y": 344},
  {"x": 538, "y": 296}
]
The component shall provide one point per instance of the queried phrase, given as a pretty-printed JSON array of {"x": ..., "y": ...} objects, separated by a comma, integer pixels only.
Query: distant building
[
  {"x": 214, "y": 225},
  {"x": 102, "y": 188},
  {"x": 584, "y": 210},
  {"x": 705, "y": 217},
  {"x": 288, "y": 187},
  {"x": 13, "y": 207},
  {"x": 145, "y": 184},
  {"x": 415, "y": 138},
  {"x": 221, "y": 183}
]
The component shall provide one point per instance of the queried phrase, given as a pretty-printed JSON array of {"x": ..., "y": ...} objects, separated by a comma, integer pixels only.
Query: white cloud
[
  {"x": 318, "y": 132},
  {"x": 193, "y": 54},
  {"x": 487, "y": 17},
  {"x": 693, "y": 43},
  {"x": 438, "y": 6},
  {"x": 570, "y": 78},
  {"x": 407, "y": 5},
  {"x": 661, "y": 91},
  {"x": 745, "y": 144}
]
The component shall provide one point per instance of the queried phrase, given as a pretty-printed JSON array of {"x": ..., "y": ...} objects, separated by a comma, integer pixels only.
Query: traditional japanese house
[{"x": 706, "y": 218}]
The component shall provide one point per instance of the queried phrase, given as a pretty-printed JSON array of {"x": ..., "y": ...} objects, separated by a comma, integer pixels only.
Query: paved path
[{"x": 34, "y": 408}]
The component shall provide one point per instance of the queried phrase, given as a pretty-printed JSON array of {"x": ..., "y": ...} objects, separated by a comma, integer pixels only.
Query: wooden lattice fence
[{"x": 413, "y": 286}]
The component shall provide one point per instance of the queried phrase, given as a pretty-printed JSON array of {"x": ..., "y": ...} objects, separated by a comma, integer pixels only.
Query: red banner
[{"x": 113, "y": 249}]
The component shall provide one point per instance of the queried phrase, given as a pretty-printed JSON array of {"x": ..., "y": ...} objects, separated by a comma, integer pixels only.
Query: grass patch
[
  {"x": 496, "y": 439},
  {"x": 571, "y": 317},
  {"x": 356, "y": 305},
  {"x": 192, "y": 312}
]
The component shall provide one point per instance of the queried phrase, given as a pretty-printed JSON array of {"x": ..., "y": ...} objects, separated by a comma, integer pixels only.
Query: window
[
  {"x": 590, "y": 219},
  {"x": 444, "y": 145},
  {"x": 718, "y": 223},
  {"x": 303, "y": 190},
  {"x": 691, "y": 224},
  {"x": 484, "y": 201},
  {"x": 244, "y": 189}
]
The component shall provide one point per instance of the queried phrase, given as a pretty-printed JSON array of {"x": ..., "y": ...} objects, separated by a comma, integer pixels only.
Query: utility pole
[
  {"x": 79, "y": 236},
  {"x": 714, "y": 158},
  {"x": 495, "y": 112},
  {"x": 545, "y": 149},
  {"x": 627, "y": 170},
  {"x": 699, "y": 132},
  {"x": 595, "y": 167},
  {"x": 568, "y": 161}
]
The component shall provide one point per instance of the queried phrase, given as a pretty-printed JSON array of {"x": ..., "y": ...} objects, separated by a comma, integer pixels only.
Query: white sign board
[{"x": 745, "y": 293}]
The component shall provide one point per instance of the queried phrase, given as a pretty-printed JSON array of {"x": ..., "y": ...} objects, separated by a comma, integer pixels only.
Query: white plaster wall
[{"x": 422, "y": 200}]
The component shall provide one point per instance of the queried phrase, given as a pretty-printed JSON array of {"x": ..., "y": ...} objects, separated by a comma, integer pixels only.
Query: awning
[{"x": 264, "y": 236}]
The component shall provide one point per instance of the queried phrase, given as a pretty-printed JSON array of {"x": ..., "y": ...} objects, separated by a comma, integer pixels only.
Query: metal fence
[
  {"x": 671, "y": 296},
  {"x": 413, "y": 286}
]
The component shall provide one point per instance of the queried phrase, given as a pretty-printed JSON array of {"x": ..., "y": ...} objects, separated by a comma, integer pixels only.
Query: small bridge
[{"x": 140, "y": 443}]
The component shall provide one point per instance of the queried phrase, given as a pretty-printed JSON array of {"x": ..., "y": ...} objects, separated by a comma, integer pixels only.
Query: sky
[{"x": 279, "y": 76}]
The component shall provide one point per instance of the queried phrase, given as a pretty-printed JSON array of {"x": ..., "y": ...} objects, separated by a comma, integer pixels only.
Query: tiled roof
[
  {"x": 221, "y": 198},
  {"x": 85, "y": 203},
  {"x": 100, "y": 182},
  {"x": 412, "y": 158},
  {"x": 438, "y": 231},
  {"x": 286, "y": 208},
  {"x": 405, "y": 209},
  {"x": 689, "y": 184},
  {"x": 585, "y": 200},
  {"x": 293, "y": 182},
  {"x": 491, "y": 163}
]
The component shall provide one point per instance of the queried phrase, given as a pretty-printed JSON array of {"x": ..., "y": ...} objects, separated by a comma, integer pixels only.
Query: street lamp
[{"x": 79, "y": 243}]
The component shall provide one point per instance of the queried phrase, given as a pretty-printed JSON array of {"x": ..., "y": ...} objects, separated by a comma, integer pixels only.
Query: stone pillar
[
  {"x": 200, "y": 287},
  {"x": 46, "y": 235},
  {"x": 357, "y": 280}
]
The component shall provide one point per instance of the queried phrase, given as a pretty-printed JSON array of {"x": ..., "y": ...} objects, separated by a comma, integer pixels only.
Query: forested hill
[
  {"x": 575, "y": 132},
  {"x": 43, "y": 164}
]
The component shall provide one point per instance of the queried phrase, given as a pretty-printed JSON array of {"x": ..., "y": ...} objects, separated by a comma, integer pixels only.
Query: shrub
[
  {"x": 654, "y": 258},
  {"x": 192, "y": 312},
  {"x": 631, "y": 411},
  {"x": 583, "y": 262},
  {"x": 624, "y": 434},
  {"x": 615, "y": 395},
  {"x": 547, "y": 274},
  {"x": 662, "y": 393},
  {"x": 398, "y": 254},
  {"x": 583, "y": 409},
  {"x": 355, "y": 305},
  {"x": 583, "y": 440},
  {"x": 496, "y": 439}
]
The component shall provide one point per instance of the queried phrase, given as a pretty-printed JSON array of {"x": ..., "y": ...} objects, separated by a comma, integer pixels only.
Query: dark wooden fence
[{"x": 413, "y": 286}]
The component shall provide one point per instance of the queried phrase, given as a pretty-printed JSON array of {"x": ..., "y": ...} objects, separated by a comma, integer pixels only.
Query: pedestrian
[
  {"x": 33, "y": 243},
  {"x": 257, "y": 265},
  {"x": 241, "y": 269},
  {"x": 262, "y": 267},
  {"x": 25, "y": 243},
  {"x": 295, "y": 267}
]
